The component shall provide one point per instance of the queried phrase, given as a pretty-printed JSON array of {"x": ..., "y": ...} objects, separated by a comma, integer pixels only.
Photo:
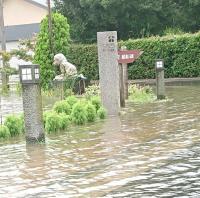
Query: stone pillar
[
  {"x": 125, "y": 76},
  {"x": 160, "y": 80},
  {"x": 109, "y": 71},
  {"x": 32, "y": 103}
]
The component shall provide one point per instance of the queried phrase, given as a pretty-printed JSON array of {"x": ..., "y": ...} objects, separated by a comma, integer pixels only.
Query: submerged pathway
[{"x": 153, "y": 150}]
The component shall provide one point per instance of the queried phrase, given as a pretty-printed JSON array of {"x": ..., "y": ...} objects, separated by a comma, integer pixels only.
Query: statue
[{"x": 66, "y": 68}]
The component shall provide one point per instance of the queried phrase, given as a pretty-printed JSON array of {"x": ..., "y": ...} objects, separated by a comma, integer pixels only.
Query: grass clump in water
[
  {"x": 139, "y": 94},
  {"x": 102, "y": 113},
  {"x": 91, "y": 112},
  {"x": 62, "y": 107},
  {"x": 64, "y": 121},
  {"x": 71, "y": 100},
  {"x": 79, "y": 114},
  {"x": 53, "y": 122},
  {"x": 4, "y": 132},
  {"x": 96, "y": 101},
  {"x": 14, "y": 124}
]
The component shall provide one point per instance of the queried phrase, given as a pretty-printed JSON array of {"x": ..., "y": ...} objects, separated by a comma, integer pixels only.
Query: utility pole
[
  {"x": 2, "y": 28},
  {"x": 4, "y": 77},
  {"x": 50, "y": 24}
]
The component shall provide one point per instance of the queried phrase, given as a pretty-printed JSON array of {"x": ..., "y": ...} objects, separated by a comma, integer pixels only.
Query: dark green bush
[
  {"x": 14, "y": 124},
  {"x": 91, "y": 112},
  {"x": 102, "y": 113},
  {"x": 62, "y": 107},
  {"x": 4, "y": 132},
  {"x": 79, "y": 113},
  {"x": 181, "y": 54},
  {"x": 96, "y": 101},
  {"x": 45, "y": 49}
]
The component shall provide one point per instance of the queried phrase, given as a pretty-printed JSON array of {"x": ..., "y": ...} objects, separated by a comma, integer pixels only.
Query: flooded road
[{"x": 152, "y": 150}]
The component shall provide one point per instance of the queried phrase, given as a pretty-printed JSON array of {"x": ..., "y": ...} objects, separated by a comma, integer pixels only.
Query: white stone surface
[{"x": 109, "y": 71}]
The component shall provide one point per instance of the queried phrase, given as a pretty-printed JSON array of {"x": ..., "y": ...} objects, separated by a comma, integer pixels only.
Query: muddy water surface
[{"x": 152, "y": 150}]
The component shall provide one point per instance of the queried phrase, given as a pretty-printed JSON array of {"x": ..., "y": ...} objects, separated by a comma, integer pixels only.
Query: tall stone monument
[{"x": 109, "y": 71}]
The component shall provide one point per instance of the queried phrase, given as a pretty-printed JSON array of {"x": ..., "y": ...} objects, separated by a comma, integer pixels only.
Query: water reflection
[{"x": 150, "y": 151}]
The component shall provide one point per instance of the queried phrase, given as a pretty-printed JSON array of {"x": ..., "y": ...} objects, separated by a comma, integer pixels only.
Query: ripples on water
[{"x": 150, "y": 152}]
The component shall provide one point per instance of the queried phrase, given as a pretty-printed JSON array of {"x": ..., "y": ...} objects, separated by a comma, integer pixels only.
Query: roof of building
[
  {"x": 17, "y": 32},
  {"x": 38, "y": 3}
]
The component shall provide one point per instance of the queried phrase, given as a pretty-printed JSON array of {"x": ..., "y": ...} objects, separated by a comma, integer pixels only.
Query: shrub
[
  {"x": 180, "y": 53},
  {"x": 71, "y": 100},
  {"x": 62, "y": 107},
  {"x": 96, "y": 101},
  {"x": 102, "y": 113},
  {"x": 79, "y": 114},
  {"x": 65, "y": 120},
  {"x": 91, "y": 91},
  {"x": 14, "y": 124},
  {"x": 4, "y": 132},
  {"x": 91, "y": 112},
  {"x": 141, "y": 94},
  {"x": 45, "y": 50},
  {"x": 53, "y": 122}
]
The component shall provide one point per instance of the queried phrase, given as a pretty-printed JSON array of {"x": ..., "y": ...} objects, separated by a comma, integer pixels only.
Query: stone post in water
[
  {"x": 125, "y": 75},
  {"x": 160, "y": 79},
  {"x": 109, "y": 71},
  {"x": 32, "y": 103}
]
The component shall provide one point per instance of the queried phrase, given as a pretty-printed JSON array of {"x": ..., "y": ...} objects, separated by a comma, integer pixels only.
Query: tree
[
  {"x": 44, "y": 53},
  {"x": 131, "y": 18}
]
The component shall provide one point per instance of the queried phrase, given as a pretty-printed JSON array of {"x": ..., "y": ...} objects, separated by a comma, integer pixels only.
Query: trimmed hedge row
[{"x": 181, "y": 54}]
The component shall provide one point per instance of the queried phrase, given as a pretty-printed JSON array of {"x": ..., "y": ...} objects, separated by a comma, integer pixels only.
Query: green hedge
[{"x": 181, "y": 54}]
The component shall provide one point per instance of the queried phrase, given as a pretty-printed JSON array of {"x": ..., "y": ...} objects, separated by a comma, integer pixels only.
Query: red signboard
[{"x": 128, "y": 56}]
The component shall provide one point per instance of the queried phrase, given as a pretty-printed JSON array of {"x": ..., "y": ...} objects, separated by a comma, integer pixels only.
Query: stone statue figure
[{"x": 66, "y": 68}]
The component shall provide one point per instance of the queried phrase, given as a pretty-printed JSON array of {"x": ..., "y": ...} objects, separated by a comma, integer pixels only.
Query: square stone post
[
  {"x": 109, "y": 71},
  {"x": 160, "y": 79},
  {"x": 32, "y": 103}
]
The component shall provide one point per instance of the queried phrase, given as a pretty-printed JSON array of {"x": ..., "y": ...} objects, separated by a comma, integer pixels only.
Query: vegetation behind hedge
[{"x": 181, "y": 54}]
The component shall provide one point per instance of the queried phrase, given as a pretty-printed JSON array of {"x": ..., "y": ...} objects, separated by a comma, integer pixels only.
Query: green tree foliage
[
  {"x": 45, "y": 50},
  {"x": 131, "y": 18}
]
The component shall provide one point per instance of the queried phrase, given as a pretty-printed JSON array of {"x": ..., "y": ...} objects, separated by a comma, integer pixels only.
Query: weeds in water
[
  {"x": 79, "y": 114},
  {"x": 102, "y": 113},
  {"x": 4, "y": 132},
  {"x": 62, "y": 107},
  {"x": 139, "y": 94},
  {"x": 53, "y": 122},
  {"x": 64, "y": 121},
  {"x": 71, "y": 100},
  {"x": 14, "y": 124},
  {"x": 91, "y": 112},
  {"x": 96, "y": 101}
]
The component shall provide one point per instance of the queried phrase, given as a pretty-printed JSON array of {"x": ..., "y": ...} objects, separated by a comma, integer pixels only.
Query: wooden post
[
  {"x": 121, "y": 77},
  {"x": 2, "y": 28},
  {"x": 4, "y": 77}
]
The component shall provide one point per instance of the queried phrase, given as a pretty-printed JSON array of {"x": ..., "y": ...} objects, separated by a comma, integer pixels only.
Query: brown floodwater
[{"x": 151, "y": 150}]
